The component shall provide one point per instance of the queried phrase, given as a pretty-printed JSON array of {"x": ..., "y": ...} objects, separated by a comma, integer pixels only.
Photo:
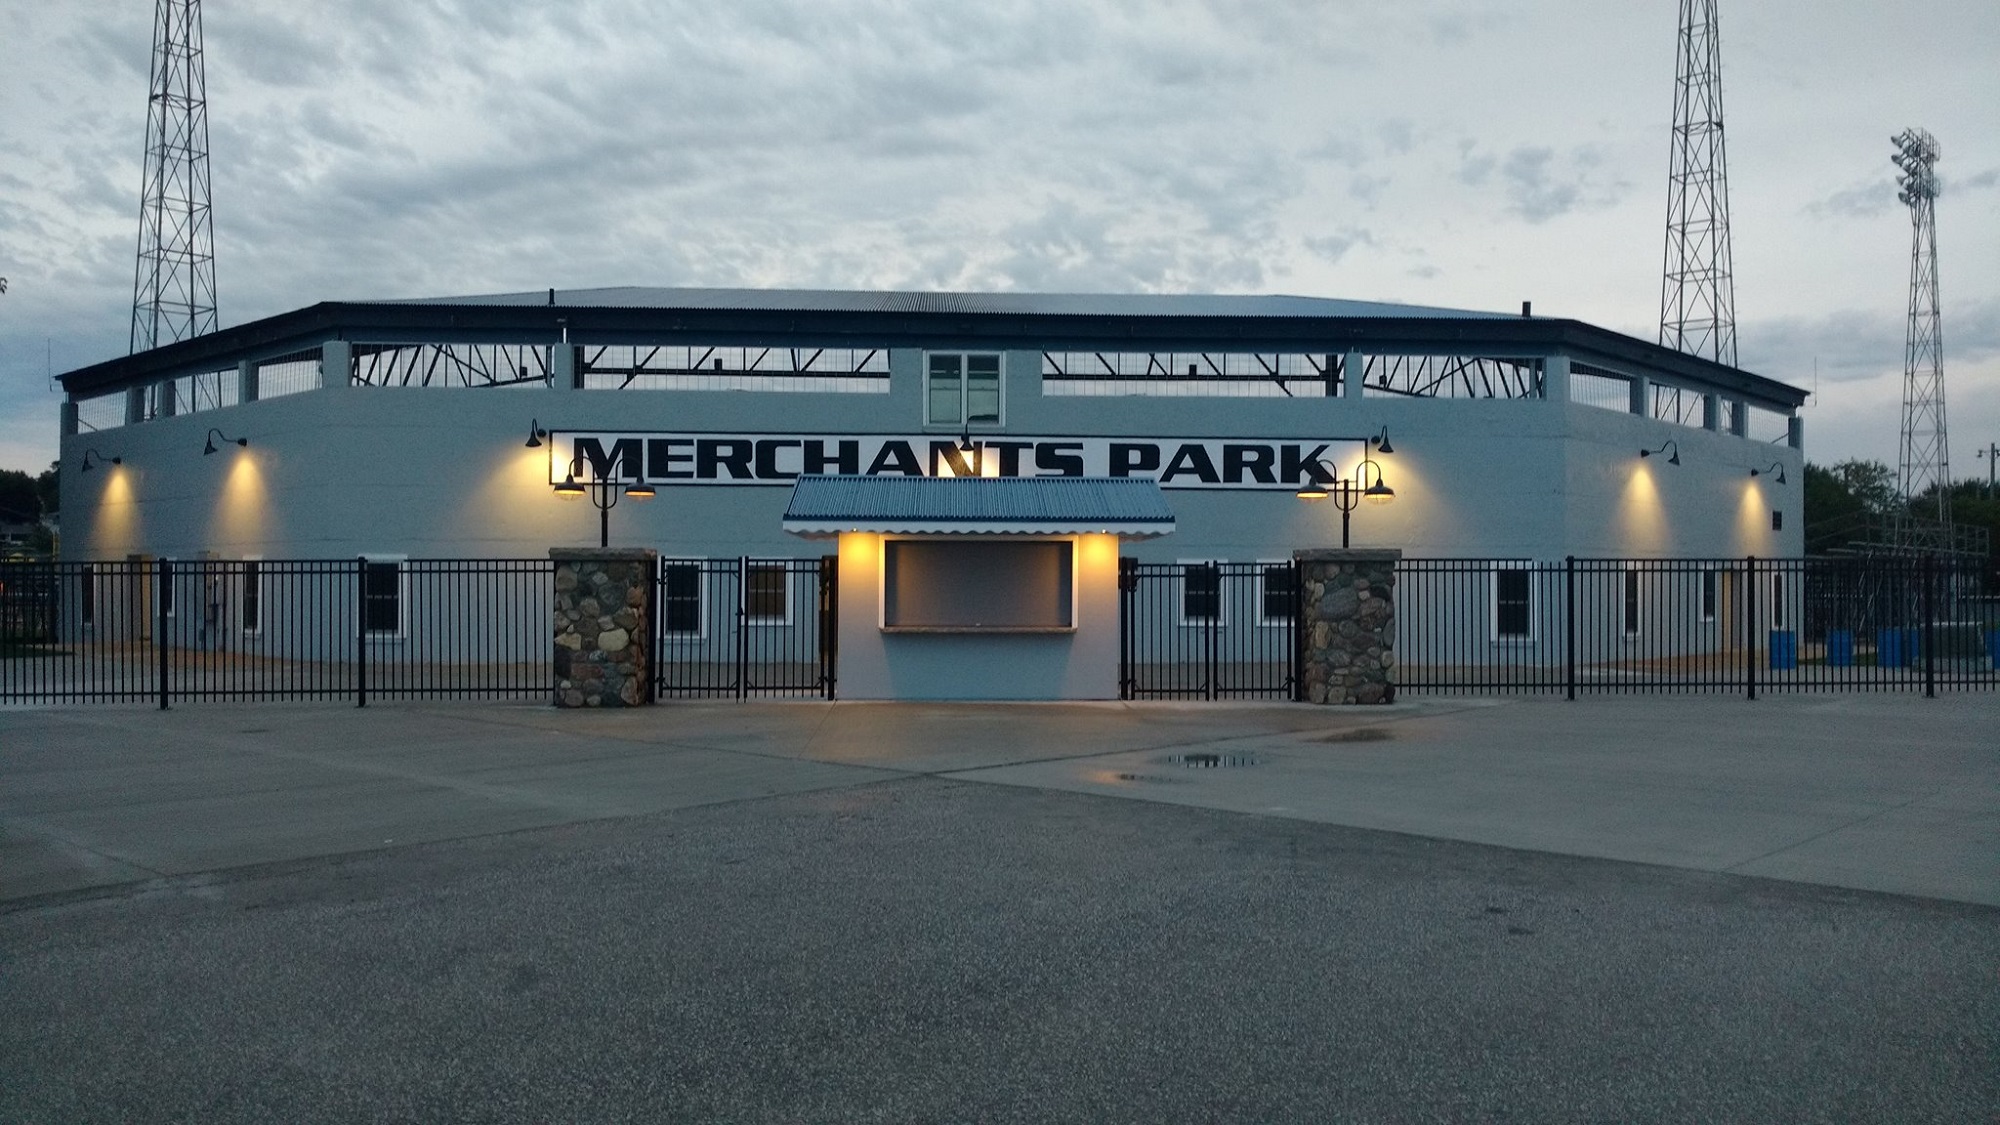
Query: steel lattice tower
[
  {"x": 173, "y": 290},
  {"x": 1924, "y": 460},
  {"x": 1698, "y": 295}
]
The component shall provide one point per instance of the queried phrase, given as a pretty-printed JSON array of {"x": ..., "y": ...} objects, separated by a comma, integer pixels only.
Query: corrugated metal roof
[
  {"x": 828, "y": 505},
  {"x": 1057, "y": 304}
]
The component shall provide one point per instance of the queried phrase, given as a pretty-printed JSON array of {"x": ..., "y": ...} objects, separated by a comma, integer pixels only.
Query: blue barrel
[
  {"x": 1895, "y": 648},
  {"x": 1840, "y": 648},
  {"x": 1784, "y": 650},
  {"x": 1993, "y": 646}
]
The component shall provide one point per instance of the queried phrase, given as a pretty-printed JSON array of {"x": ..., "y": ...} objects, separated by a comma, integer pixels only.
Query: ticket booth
[{"x": 970, "y": 588}]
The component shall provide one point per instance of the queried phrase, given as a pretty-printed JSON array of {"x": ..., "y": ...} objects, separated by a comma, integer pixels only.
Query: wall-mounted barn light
[
  {"x": 1673, "y": 458},
  {"x": 214, "y": 434}
]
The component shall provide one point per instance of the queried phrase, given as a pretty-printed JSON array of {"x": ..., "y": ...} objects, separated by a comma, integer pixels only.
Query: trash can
[
  {"x": 1840, "y": 648},
  {"x": 1895, "y": 648},
  {"x": 1784, "y": 650}
]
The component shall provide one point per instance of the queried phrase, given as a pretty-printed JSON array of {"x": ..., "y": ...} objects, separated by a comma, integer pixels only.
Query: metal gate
[
  {"x": 1208, "y": 630},
  {"x": 743, "y": 627}
]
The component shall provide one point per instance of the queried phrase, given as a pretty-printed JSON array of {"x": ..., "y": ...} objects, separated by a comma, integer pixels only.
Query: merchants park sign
[{"x": 779, "y": 459}]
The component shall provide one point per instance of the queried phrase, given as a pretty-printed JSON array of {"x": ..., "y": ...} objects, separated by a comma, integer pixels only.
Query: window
[
  {"x": 680, "y": 598},
  {"x": 1280, "y": 593},
  {"x": 253, "y": 595},
  {"x": 1513, "y": 590},
  {"x": 382, "y": 597},
  {"x": 978, "y": 584},
  {"x": 765, "y": 594},
  {"x": 1201, "y": 593},
  {"x": 1777, "y": 601},
  {"x": 1708, "y": 582},
  {"x": 166, "y": 584},
  {"x": 87, "y": 593},
  {"x": 1631, "y": 614},
  {"x": 962, "y": 389}
]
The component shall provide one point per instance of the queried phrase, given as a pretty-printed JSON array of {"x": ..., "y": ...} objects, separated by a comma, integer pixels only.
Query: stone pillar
[
  {"x": 603, "y": 622},
  {"x": 246, "y": 380},
  {"x": 1349, "y": 624},
  {"x": 1711, "y": 412},
  {"x": 69, "y": 424},
  {"x": 1795, "y": 432},
  {"x": 1739, "y": 417},
  {"x": 1642, "y": 396}
]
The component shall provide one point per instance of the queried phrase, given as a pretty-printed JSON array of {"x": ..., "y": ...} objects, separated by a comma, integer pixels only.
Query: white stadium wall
[{"x": 343, "y": 471}]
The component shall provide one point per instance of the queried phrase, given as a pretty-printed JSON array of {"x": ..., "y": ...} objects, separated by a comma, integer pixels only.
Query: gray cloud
[
  {"x": 1538, "y": 183},
  {"x": 1851, "y": 346}
]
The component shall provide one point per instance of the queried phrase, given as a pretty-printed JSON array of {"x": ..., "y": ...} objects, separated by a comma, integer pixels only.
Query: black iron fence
[
  {"x": 169, "y": 630},
  {"x": 744, "y": 627},
  {"x": 1208, "y": 630},
  {"x": 1722, "y": 625}
]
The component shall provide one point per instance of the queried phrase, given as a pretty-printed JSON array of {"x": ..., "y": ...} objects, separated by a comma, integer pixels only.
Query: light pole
[
  {"x": 1347, "y": 492},
  {"x": 1991, "y": 454},
  {"x": 603, "y": 494}
]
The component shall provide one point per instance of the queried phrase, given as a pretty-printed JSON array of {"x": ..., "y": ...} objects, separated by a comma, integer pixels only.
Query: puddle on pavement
[
  {"x": 1359, "y": 734},
  {"x": 1113, "y": 777},
  {"x": 1210, "y": 761}
]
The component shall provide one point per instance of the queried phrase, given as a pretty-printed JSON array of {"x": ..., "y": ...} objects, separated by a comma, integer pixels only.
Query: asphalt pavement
[{"x": 1643, "y": 909}]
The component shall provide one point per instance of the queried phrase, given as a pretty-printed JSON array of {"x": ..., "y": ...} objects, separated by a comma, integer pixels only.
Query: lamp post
[
  {"x": 603, "y": 494},
  {"x": 1347, "y": 492}
]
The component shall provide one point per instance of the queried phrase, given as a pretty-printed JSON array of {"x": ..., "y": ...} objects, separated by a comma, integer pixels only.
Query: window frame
[
  {"x": 783, "y": 569},
  {"x": 1711, "y": 595},
  {"x": 402, "y": 630},
  {"x": 1631, "y": 604},
  {"x": 1220, "y": 619},
  {"x": 963, "y": 420},
  {"x": 685, "y": 562},
  {"x": 250, "y": 592},
  {"x": 1264, "y": 569},
  {"x": 1495, "y": 568},
  {"x": 1778, "y": 606}
]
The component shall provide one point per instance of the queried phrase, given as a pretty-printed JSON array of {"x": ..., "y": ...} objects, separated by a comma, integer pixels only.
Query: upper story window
[{"x": 962, "y": 389}]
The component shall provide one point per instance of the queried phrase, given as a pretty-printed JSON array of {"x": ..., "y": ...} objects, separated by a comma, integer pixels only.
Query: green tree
[
  {"x": 19, "y": 502},
  {"x": 48, "y": 487}
]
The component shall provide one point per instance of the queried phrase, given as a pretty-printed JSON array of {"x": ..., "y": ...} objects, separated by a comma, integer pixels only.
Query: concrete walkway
[{"x": 1876, "y": 792}]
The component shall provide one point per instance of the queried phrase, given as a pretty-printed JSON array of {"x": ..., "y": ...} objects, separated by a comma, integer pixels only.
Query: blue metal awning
[{"x": 1127, "y": 508}]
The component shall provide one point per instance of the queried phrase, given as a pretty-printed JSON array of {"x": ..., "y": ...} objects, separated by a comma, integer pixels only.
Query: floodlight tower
[
  {"x": 1924, "y": 460},
  {"x": 1698, "y": 294},
  {"x": 173, "y": 288}
]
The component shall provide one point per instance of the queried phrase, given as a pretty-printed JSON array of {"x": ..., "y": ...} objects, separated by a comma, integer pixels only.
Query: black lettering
[
  {"x": 846, "y": 459},
  {"x": 767, "y": 458},
  {"x": 661, "y": 458},
  {"x": 895, "y": 457},
  {"x": 956, "y": 462},
  {"x": 1191, "y": 458},
  {"x": 1128, "y": 458},
  {"x": 1010, "y": 455},
  {"x": 625, "y": 454},
  {"x": 1294, "y": 465},
  {"x": 729, "y": 453},
  {"x": 1057, "y": 457},
  {"x": 1252, "y": 459}
]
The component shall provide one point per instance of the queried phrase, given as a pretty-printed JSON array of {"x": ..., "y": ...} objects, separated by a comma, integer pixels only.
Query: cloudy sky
[{"x": 1442, "y": 152}]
